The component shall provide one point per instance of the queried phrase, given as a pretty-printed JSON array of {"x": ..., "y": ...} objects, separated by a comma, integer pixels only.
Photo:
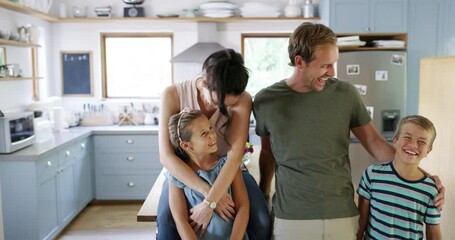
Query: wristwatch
[{"x": 211, "y": 205}]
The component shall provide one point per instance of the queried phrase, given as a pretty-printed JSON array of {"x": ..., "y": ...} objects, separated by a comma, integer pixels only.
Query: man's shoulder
[{"x": 271, "y": 90}]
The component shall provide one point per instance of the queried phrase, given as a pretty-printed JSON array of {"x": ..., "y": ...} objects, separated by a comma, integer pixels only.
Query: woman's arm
[
  {"x": 242, "y": 207},
  {"x": 364, "y": 209},
  {"x": 179, "y": 209},
  {"x": 433, "y": 232},
  {"x": 237, "y": 135},
  {"x": 170, "y": 105}
]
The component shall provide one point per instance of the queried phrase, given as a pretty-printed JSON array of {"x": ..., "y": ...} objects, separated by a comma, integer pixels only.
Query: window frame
[{"x": 106, "y": 35}]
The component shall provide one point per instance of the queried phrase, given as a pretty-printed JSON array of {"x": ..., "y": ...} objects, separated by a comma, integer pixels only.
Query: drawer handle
[
  {"x": 82, "y": 145},
  {"x": 130, "y": 141},
  {"x": 130, "y": 158},
  {"x": 48, "y": 164},
  {"x": 67, "y": 153},
  {"x": 60, "y": 170},
  {"x": 131, "y": 184}
]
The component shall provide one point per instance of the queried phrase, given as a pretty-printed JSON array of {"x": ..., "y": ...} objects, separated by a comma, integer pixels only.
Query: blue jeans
[{"x": 259, "y": 225}]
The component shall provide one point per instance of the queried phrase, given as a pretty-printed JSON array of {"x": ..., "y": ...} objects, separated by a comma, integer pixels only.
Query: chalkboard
[{"x": 77, "y": 73}]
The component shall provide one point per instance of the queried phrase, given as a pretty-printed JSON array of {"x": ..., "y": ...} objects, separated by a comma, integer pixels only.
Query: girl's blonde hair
[{"x": 179, "y": 129}]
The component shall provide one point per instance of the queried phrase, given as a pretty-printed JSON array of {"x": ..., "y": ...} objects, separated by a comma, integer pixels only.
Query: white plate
[{"x": 351, "y": 44}]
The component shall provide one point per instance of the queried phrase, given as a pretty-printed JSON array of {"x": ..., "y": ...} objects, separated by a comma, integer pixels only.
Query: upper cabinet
[{"x": 365, "y": 16}]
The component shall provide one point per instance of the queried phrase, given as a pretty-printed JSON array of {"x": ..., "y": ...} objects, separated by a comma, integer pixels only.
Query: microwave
[{"x": 16, "y": 131}]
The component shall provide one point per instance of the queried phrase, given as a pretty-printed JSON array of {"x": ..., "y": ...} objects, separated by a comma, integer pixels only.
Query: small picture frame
[
  {"x": 397, "y": 59},
  {"x": 2, "y": 56},
  {"x": 353, "y": 69},
  {"x": 77, "y": 75}
]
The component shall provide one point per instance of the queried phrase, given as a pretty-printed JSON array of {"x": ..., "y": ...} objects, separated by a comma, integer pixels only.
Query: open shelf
[
  {"x": 369, "y": 37},
  {"x": 5, "y": 42},
  {"x": 29, "y": 11},
  {"x": 19, "y": 78},
  {"x": 196, "y": 19}
]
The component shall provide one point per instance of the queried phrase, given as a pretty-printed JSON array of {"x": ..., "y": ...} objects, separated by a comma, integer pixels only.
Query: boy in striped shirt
[{"x": 396, "y": 199}]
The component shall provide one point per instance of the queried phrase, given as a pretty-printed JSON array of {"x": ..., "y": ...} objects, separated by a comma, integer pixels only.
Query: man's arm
[
  {"x": 364, "y": 210},
  {"x": 433, "y": 232},
  {"x": 266, "y": 167},
  {"x": 374, "y": 143}
]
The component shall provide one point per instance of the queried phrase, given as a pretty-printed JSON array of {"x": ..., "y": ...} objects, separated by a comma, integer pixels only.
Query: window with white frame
[
  {"x": 266, "y": 56},
  {"x": 136, "y": 65}
]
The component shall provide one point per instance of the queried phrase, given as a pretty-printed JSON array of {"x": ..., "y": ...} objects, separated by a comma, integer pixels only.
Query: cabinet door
[
  {"x": 388, "y": 15},
  {"x": 47, "y": 197},
  {"x": 449, "y": 30},
  {"x": 67, "y": 186},
  {"x": 349, "y": 16},
  {"x": 84, "y": 191}
]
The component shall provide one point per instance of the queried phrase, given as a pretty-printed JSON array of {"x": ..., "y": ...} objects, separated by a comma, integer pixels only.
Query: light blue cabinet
[
  {"x": 40, "y": 197},
  {"x": 431, "y": 33},
  {"x": 365, "y": 16},
  {"x": 126, "y": 166},
  {"x": 84, "y": 173}
]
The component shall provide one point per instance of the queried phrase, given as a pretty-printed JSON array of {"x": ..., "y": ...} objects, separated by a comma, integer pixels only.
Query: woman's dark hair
[
  {"x": 225, "y": 74},
  {"x": 179, "y": 131}
]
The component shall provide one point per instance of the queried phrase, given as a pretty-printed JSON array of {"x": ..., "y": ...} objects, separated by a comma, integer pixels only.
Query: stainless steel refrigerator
[{"x": 380, "y": 77}]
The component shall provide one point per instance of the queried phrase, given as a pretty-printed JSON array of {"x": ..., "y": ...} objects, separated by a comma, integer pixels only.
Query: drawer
[
  {"x": 129, "y": 160},
  {"x": 66, "y": 156},
  {"x": 115, "y": 143},
  {"x": 47, "y": 167},
  {"x": 82, "y": 149},
  {"x": 124, "y": 186}
]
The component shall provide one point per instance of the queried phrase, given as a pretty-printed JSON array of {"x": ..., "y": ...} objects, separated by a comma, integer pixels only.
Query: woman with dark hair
[{"x": 220, "y": 95}]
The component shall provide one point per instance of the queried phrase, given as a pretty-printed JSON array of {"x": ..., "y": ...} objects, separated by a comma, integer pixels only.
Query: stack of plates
[
  {"x": 218, "y": 9},
  {"x": 259, "y": 9}
]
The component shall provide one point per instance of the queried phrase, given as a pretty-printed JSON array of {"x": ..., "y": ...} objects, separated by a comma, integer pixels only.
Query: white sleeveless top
[{"x": 187, "y": 93}]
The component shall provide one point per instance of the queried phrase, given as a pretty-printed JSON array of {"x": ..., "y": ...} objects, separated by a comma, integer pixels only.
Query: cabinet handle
[
  {"x": 131, "y": 184},
  {"x": 130, "y": 158},
  {"x": 67, "y": 153},
  {"x": 60, "y": 170},
  {"x": 48, "y": 164},
  {"x": 82, "y": 145},
  {"x": 130, "y": 141}
]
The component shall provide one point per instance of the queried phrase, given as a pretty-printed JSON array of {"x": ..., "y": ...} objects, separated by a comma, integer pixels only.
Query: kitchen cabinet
[
  {"x": 41, "y": 196},
  {"x": 431, "y": 34},
  {"x": 126, "y": 165},
  {"x": 365, "y": 16},
  {"x": 32, "y": 73}
]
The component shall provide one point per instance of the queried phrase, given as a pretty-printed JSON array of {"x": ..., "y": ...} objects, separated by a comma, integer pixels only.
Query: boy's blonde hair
[{"x": 421, "y": 121}]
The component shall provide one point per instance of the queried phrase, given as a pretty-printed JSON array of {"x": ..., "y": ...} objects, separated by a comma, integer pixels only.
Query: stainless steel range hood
[{"x": 197, "y": 53}]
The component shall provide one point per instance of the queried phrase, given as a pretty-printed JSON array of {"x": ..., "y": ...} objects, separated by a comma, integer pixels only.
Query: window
[
  {"x": 266, "y": 56},
  {"x": 136, "y": 65}
]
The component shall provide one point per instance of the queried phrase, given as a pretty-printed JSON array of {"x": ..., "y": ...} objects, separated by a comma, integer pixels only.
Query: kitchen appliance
[
  {"x": 16, "y": 131},
  {"x": 133, "y": 11},
  {"x": 380, "y": 77}
]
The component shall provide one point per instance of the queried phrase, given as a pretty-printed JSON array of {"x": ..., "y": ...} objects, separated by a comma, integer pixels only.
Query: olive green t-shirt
[{"x": 310, "y": 135}]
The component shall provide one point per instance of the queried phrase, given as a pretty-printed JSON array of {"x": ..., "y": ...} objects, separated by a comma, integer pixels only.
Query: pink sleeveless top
[{"x": 187, "y": 93}]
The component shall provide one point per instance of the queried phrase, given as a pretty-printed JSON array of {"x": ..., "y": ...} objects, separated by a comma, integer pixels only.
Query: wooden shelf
[
  {"x": 369, "y": 37},
  {"x": 17, "y": 43},
  {"x": 19, "y": 78},
  {"x": 29, "y": 11},
  {"x": 197, "y": 19}
]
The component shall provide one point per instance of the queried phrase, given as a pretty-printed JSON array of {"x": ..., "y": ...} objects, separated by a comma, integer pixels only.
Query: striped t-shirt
[{"x": 398, "y": 207}]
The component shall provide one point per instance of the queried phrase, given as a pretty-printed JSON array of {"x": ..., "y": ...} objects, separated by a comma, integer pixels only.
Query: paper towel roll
[{"x": 58, "y": 119}]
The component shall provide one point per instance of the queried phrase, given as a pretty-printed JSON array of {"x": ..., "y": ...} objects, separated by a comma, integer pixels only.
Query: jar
[
  {"x": 292, "y": 9},
  {"x": 308, "y": 9}
]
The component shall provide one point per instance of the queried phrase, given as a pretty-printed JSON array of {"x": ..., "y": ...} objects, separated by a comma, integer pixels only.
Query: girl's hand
[
  {"x": 226, "y": 208},
  {"x": 200, "y": 216}
]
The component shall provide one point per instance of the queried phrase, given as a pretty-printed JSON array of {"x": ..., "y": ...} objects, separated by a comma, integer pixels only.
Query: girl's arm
[
  {"x": 364, "y": 209},
  {"x": 170, "y": 105},
  {"x": 237, "y": 135},
  {"x": 179, "y": 210},
  {"x": 242, "y": 206},
  {"x": 433, "y": 232}
]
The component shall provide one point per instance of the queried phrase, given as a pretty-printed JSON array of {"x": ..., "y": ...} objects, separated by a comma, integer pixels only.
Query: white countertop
[{"x": 38, "y": 150}]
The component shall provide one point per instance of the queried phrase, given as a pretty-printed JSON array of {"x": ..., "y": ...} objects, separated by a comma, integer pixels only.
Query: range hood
[{"x": 197, "y": 53}]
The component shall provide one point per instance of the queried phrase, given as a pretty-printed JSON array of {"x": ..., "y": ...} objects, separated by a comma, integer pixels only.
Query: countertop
[{"x": 60, "y": 139}]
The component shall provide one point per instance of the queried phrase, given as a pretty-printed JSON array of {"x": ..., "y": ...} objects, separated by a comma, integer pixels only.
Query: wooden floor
[{"x": 108, "y": 222}]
